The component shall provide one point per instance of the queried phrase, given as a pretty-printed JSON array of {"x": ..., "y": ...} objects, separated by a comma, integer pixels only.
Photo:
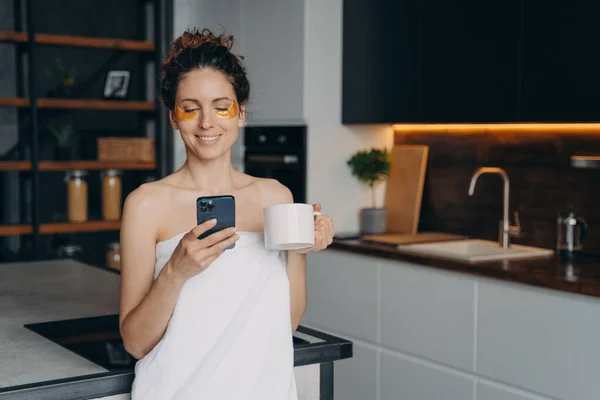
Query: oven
[{"x": 278, "y": 152}]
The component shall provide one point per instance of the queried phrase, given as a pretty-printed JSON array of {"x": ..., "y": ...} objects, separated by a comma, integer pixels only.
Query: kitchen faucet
[{"x": 505, "y": 230}]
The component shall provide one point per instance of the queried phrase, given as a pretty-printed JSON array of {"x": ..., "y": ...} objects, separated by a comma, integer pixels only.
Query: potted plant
[
  {"x": 65, "y": 136},
  {"x": 66, "y": 79},
  {"x": 371, "y": 167}
]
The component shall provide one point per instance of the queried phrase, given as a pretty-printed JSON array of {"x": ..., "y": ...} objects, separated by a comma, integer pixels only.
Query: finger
[
  {"x": 328, "y": 226},
  {"x": 200, "y": 229},
  {"x": 327, "y": 233},
  {"x": 221, "y": 245},
  {"x": 326, "y": 229},
  {"x": 226, "y": 243},
  {"x": 321, "y": 221},
  {"x": 205, "y": 262},
  {"x": 323, "y": 225},
  {"x": 322, "y": 243},
  {"x": 326, "y": 239},
  {"x": 216, "y": 237},
  {"x": 318, "y": 239},
  {"x": 332, "y": 227},
  {"x": 317, "y": 207},
  {"x": 331, "y": 230},
  {"x": 320, "y": 227}
]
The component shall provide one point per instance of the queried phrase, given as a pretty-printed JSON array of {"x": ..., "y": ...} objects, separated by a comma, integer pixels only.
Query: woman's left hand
[{"x": 324, "y": 232}]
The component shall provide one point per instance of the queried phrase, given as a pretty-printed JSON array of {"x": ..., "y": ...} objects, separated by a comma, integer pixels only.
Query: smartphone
[{"x": 220, "y": 207}]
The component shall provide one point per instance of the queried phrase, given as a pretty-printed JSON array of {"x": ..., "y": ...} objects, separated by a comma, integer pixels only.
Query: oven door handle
[{"x": 273, "y": 159}]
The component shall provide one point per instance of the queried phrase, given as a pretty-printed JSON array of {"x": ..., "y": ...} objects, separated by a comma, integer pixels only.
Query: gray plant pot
[{"x": 373, "y": 221}]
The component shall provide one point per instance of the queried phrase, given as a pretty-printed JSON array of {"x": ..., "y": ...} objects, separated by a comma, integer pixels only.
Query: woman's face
[{"x": 207, "y": 113}]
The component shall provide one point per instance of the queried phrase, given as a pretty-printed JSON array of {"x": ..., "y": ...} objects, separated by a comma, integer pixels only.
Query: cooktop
[{"x": 96, "y": 339}]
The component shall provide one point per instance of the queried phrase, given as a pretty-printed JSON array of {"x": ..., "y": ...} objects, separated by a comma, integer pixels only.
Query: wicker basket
[{"x": 126, "y": 149}]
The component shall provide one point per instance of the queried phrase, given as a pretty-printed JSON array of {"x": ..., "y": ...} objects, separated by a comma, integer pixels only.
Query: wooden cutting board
[
  {"x": 404, "y": 190},
  {"x": 424, "y": 237}
]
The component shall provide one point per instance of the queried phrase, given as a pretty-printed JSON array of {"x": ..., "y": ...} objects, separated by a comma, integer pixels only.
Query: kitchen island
[{"x": 36, "y": 364}]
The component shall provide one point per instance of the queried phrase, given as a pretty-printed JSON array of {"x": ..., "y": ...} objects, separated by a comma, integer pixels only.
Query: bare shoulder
[
  {"x": 144, "y": 208},
  {"x": 146, "y": 195},
  {"x": 273, "y": 192}
]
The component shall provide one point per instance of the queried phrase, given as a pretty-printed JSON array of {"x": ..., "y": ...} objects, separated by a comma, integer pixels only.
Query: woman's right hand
[{"x": 193, "y": 255}]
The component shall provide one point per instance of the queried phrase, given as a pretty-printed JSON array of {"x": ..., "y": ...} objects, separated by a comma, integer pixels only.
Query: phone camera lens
[
  {"x": 210, "y": 206},
  {"x": 203, "y": 203},
  {"x": 202, "y": 208}
]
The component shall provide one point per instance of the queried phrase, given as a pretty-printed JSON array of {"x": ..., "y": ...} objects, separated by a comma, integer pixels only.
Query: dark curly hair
[{"x": 196, "y": 49}]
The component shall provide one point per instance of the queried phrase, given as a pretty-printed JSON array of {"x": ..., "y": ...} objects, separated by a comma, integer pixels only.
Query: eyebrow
[{"x": 215, "y": 100}]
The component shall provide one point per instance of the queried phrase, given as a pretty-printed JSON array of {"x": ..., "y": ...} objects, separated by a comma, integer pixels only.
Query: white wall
[
  {"x": 182, "y": 20},
  {"x": 214, "y": 15},
  {"x": 273, "y": 43},
  {"x": 273, "y": 72},
  {"x": 330, "y": 143}
]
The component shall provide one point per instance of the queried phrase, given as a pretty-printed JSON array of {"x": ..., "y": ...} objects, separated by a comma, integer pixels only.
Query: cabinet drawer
[
  {"x": 539, "y": 340},
  {"x": 428, "y": 313}
]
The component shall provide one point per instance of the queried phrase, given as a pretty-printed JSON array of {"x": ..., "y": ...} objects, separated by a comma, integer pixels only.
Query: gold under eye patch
[
  {"x": 231, "y": 112},
  {"x": 182, "y": 115}
]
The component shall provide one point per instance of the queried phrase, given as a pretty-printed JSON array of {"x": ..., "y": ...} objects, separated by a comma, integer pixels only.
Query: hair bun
[
  {"x": 202, "y": 49},
  {"x": 194, "y": 38}
]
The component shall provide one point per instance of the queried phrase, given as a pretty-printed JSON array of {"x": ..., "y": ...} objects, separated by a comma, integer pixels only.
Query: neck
[{"x": 210, "y": 176}]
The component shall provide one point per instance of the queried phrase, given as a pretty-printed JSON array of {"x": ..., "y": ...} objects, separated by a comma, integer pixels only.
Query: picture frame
[{"x": 116, "y": 84}]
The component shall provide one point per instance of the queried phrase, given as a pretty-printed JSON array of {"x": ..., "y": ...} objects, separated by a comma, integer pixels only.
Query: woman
[{"x": 205, "y": 322}]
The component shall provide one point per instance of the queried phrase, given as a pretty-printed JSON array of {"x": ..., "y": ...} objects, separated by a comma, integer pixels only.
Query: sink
[{"x": 474, "y": 250}]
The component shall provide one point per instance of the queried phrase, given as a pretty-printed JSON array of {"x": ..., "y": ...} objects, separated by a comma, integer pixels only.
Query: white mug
[{"x": 289, "y": 226}]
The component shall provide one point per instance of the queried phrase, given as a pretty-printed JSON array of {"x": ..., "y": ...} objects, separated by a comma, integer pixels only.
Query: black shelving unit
[{"x": 28, "y": 40}]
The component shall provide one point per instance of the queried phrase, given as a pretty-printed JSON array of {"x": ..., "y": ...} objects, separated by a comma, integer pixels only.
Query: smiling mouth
[{"x": 208, "y": 139}]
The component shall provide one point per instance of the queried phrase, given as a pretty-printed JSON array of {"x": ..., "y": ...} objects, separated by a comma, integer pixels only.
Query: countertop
[
  {"x": 580, "y": 276},
  {"x": 48, "y": 291},
  {"x": 32, "y": 366}
]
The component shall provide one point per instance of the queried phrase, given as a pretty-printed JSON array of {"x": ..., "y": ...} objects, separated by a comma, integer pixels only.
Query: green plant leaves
[{"x": 370, "y": 166}]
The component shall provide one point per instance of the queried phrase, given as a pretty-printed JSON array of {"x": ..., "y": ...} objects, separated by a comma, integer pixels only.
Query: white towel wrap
[{"x": 229, "y": 337}]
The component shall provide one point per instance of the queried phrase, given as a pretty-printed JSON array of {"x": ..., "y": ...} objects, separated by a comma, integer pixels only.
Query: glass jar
[
  {"x": 113, "y": 255},
  {"x": 111, "y": 195},
  {"x": 77, "y": 196}
]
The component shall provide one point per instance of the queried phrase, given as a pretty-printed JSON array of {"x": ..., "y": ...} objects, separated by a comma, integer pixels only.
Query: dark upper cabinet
[
  {"x": 561, "y": 61},
  {"x": 470, "y": 60},
  {"x": 380, "y": 61}
]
